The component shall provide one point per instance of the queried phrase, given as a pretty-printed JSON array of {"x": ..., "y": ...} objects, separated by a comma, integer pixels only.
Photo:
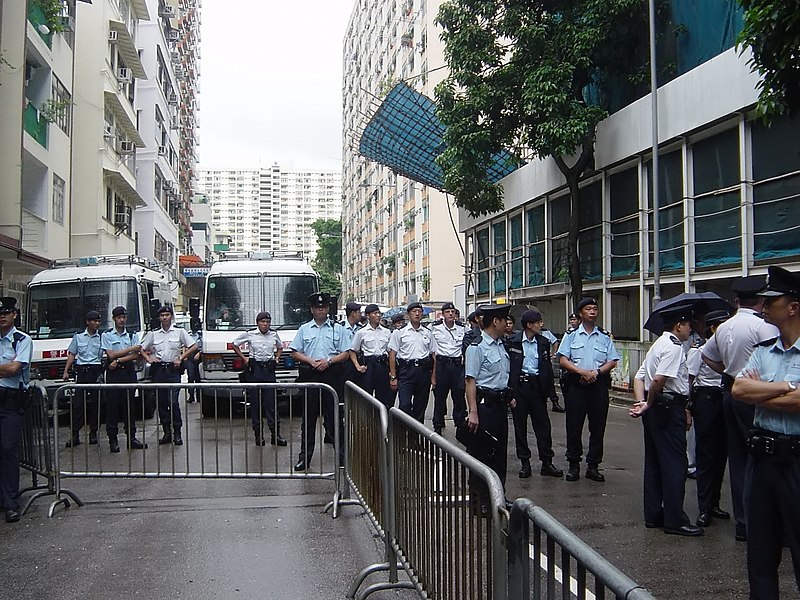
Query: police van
[
  {"x": 238, "y": 286},
  {"x": 58, "y": 299}
]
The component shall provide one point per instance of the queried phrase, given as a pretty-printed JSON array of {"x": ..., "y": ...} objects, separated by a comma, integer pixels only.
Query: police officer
[
  {"x": 449, "y": 335},
  {"x": 122, "y": 349},
  {"x": 770, "y": 382},
  {"x": 166, "y": 349},
  {"x": 351, "y": 325},
  {"x": 533, "y": 383},
  {"x": 588, "y": 355},
  {"x": 319, "y": 349},
  {"x": 193, "y": 362},
  {"x": 369, "y": 354},
  {"x": 661, "y": 388},
  {"x": 727, "y": 353},
  {"x": 399, "y": 320},
  {"x": 486, "y": 369},
  {"x": 411, "y": 355},
  {"x": 15, "y": 360},
  {"x": 711, "y": 452},
  {"x": 265, "y": 351},
  {"x": 550, "y": 336},
  {"x": 84, "y": 351},
  {"x": 473, "y": 332}
]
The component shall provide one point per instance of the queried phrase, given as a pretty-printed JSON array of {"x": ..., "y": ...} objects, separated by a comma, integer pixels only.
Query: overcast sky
[{"x": 271, "y": 83}]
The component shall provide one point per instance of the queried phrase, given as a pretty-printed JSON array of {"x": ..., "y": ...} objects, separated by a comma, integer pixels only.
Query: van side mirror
[{"x": 194, "y": 307}]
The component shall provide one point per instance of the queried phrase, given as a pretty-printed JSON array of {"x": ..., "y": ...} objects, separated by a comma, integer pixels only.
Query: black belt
[
  {"x": 528, "y": 378},
  {"x": 667, "y": 399},
  {"x": 382, "y": 358},
  {"x": 727, "y": 381},
  {"x": 499, "y": 396},
  {"x": 414, "y": 362},
  {"x": 265, "y": 364},
  {"x": 85, "y": 368},
  {"x": 451, "y": 360},
  {"x": 768, "y": 443},
  {"x": 7, "y": 392}
]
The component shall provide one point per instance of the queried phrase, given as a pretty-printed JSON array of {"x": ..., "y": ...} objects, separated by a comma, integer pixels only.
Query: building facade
[{"x": 400, "y": 240}]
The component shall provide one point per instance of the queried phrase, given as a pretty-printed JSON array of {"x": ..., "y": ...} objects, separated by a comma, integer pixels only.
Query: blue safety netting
[{"x": 405, "y": 135}]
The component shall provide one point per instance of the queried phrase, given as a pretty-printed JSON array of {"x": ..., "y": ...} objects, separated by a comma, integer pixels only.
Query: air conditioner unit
[
  {"x": 172, "y": 99},
  {"x": 173, "y": 35},
  {"x": 175, "y": 56},
  {"x": 120, "y": 219},
  {"x": 167, "y": 184},
  {"x": 126, "y": 147},
  {"x": 162, "y": 151},
  {"x": 166, "y": 11},
  {"x": 124, "y": 75},
  {"x": 180, "y": 72},
  {"x": 113, "y": 37}
]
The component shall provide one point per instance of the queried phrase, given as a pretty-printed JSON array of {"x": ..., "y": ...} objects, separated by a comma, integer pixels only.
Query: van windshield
[
  {"x": 232, "y": 302},
  {"x": 58, "y": 310}
]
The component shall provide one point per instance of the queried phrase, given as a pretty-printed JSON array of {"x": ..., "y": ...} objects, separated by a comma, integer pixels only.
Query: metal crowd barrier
[
  {"x": 221, "y": 446},
  {"x": 548, "y": 561}
]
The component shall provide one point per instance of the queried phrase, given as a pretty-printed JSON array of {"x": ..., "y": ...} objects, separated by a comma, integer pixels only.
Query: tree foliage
[
  {"x": 772, "y": 30},
  {"x": 530, "y": 76},
  {"x": 328, "y": 262}
]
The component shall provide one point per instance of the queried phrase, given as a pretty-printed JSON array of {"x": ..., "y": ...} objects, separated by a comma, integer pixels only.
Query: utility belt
[
  {"x": 669, "y": 399},
  {"x": 264, "y": 364},
  {"x": 16, "y": 399},
  {"x": 761, "y": 442},
  {"x": 169, "y": 367},
  {"x": 727, "y": 381},
  {"x": 449, "y": 360},
  {"x": 415, "y": 362},
  {"x": 528, "y": 378},
  {"x": 381, "y": 358},
  {"x": 497, "y": 396},
  {"x": 88, "y": 368}
]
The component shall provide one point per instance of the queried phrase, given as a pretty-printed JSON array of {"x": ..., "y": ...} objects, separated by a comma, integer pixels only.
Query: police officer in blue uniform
[
  {"x": 449, "y": 335},
  {"x": 121, "y": 349},
  {"x": 533, "y": 383},
  {"x": 15, "y": 360},
  {"x": 661, "y": 387},
  {"x": 85, "y": 353},
  {"x": 320, "y": 349},
  {"x": 770, "y": 381},
  {"x": 369, "y": 354},
  {"x": 351, "y": 324},
  {"x": 588, "y": 355},
  {"x": 265, "y": 348},
  {"x": 411, "y": 355}
]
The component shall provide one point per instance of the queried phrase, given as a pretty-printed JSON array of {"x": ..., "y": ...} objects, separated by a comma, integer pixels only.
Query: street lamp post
[{"x": 654, "y": 175}]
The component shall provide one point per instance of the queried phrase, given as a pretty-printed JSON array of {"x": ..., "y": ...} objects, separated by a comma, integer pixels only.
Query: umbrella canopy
[
  {"x": 394, "y": 311},
  {"x": 701, "y": 303}
]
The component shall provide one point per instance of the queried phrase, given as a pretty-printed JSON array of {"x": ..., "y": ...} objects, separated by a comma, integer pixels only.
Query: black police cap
[
  {"x": 495, "y": 311},
  {"x": 166, "y": 309},
  {"x": 716, "y": 317},
  {"x": 352, "y": 307},
  {"x": 414, "y": 305},
  {"x": 263, "y": 315},
  {"x": 780, "y": 282},
  {"x": 399, "y": 317},
  {"x": 676, "y": 314},
  {"x": 92, "y": 315},
  {"x": 319, "y": 299},
  {"x": 448, "y": 306},
  {"x": 370, "y": 308},
  {"x": 8, "y": 304},
  {"x": 119, "y": 311},
  {"x": 586, "y": 302},
  {"x": 749, "y": 287}
]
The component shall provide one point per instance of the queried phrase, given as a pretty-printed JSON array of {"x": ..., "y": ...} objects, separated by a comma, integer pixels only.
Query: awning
[
  {"x": 123, "y": 119},
  {"x": 141, "y": 9},
  {"x": 128, "y": 49},
  {"x": 127, "y": 190}
]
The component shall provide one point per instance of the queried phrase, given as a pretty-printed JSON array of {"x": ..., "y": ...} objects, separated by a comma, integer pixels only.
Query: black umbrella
[{"x": 701, "y": 303}]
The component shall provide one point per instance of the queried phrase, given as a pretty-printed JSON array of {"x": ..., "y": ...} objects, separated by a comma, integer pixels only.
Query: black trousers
[
  {"x": 492, "y": 418},
  {"x": 414, "y": 388},
  {"x": 449, "y": 380},
  {"x": 665, "y": 465},
  {"x": 531, "y": 402},
  {"x": 582, "y": 402},
  {"x": 84, "y": 402},
  {"x": 738, "y": 423},
  {"x": 773, "y": 519},
  {"x": 319, "y": 401},
  {"x": 192, "y": 376},
  {"x": 10, "y": 436},
  {"x": 711, "y": 445},
  {"x": 169, "y": 409},
  {"x": 118, "y": 403},
  {"x": 262, "y": 401},
  {"x": 375, "y": 380}
]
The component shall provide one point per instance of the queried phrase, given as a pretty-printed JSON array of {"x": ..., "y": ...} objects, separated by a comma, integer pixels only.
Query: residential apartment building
[
  {"x": 271, "y": 208},
  {"x": 728, "y": 190},
  {"x": 399, "y": 237}
]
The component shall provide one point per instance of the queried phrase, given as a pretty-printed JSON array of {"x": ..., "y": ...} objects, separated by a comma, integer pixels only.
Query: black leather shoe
[
  {"x": 135, "y": 444},
  {"x": 525, "y": 471},
  {"x": 113, "y": 443},
  {"x": 260, "y": 441},
  {"x": 718, "y": 513},
  {"x": 278, "y": 440},
  {"x": 687, "y": 530},
  {"x": 595, "y": 475},
  {"x": 177, "y": 439},
  {"x": 550, "y": 470},
  {"x": 557, "y": 407},
  {"x": 573, "y": 473},
  {"x": 653, "y": 524},
  {"x": 704, "y": 520},
  {"x": 76, "y": 441},
  {"x": 301, "y": 465},
  {"x": 93, "y": 438},
  {"x": 741, "y": 533},
  {"x": 165, "y": 439},
  {"x": 12, "y": 515}
]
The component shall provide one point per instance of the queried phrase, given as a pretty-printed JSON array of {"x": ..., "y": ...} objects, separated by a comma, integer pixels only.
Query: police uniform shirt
[
  {"x": 448, "y": 339},
  {"x": 487, "y": 363},
  {"x": 22, "y": 354},
  {"x": 319, "y": 341},
  {"x": 262, "y": 345},
  {"x": 588, "y": 351},
  {"x": 530, "y": 348},
  {"x": 412, "y": 344},
  {"x": 349, "y": 333},
  {"x": 773, "y": 362},
  {"x": 548, "y": 335},
  {"x": 167, "y": 344},
  {"x": 666, "y": 358},
  {"x": 115, "y": 341},
  {"x": 86, "y": 348},
  {"x": 371, "y": 342},
  {"x": 704, "y": 376},
  {"x": 735, "y": 339}
]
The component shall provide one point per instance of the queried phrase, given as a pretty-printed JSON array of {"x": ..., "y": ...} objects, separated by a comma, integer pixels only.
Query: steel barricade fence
[
  {"x": 214, "y": 446},
  {"x": 548, "y": 561}
]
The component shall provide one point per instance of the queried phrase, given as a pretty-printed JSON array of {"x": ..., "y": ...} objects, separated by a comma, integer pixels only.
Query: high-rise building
[
  {"x": 270, "y": 208},
  {"x": 399, "y": 236}
]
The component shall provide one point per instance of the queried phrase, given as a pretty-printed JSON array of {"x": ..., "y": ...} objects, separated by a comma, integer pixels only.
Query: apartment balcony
[
  {"x": 37, "y": 18},
  {"x": 35, "y": 124},
  {"x": 34, "y": 233}
]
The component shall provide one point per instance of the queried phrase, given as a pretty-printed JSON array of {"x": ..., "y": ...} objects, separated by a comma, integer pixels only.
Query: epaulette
[
  {"x": 699, "y": 343},
  {"x": 766, "y": 343},
  {"x": 460, "y": 322},
  {"x": 570, "y": 329},
  {"x": 675, "y": 340},
  {"x": 437, "y": 322},
  {"x": 475, "y": 341},
  {"x": 601, "y": 330}
]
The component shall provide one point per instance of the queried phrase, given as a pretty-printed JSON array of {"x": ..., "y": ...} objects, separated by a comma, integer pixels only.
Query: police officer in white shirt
[
  {"x": 166, "y": 349},
  {"x": 449, "y": 335},
  {"x": 369, "y": 354},
  {"x": 727, "y": 353},
  {"x": 411, "y": 352},
  {"x": 265, "y": 351}
]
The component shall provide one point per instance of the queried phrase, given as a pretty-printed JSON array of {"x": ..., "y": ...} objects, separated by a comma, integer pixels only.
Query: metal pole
[{"x": 654, "y": 176}]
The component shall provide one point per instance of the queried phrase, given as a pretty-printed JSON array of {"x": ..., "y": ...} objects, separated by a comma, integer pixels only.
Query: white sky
[{"x": 271, "y": 83}]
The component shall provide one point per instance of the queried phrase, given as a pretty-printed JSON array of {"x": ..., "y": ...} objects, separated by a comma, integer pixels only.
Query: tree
[
  {"x": 772, "y": 31},
  {"x": 328, "y": 262},
  {"x": 531, "y": 76}
]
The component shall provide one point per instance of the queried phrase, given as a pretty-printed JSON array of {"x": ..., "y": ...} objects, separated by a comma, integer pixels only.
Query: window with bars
[
  {"x": 671, "y": 214},
  {"x": 559, "y": 228},
  {"x": 517, "y": 250},
  {"x": 59, "y": 198},
  {"x": 482, "y": 259},
  {"x": 62, "y": 102},
  {"x": 534, "y": 218},
  {"x": 590, "y": 240},
  {"x": 624, "y": 191},
  {"x": 499, "y": 257}
]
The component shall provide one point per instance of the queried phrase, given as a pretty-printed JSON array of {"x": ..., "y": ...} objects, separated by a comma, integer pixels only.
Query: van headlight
[{"x": 213, "y": 362}]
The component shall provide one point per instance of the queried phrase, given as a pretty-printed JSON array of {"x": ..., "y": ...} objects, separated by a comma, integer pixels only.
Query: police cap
[
  {"x": 263, "y": 315},
  {"x": 749, "y": 287},
  {"x": 166, "y": 308},
  {"x": 531, "y": 316},
  {"x": 574, "y": 316},
  {"x": 414, "y": 305},
  {"x": 494, "y": 311},
  {"x": 676, "y": 314},
  {"x": 370, "y": 308},
  {"x": 92, "y": 315},
  {"x": 586, "y": 302},
  {"x": 781, "y": 282},
  {"x": 474, "y": 315},
  {"x": 319, "y": 299},
  {"x": 119, "y": 311},
  {"x": 448, "y": 306},
  {"x": 352, "y": 307},
  {"x": 716, "y": 317},
  {"x": 8, "y": 304}
]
